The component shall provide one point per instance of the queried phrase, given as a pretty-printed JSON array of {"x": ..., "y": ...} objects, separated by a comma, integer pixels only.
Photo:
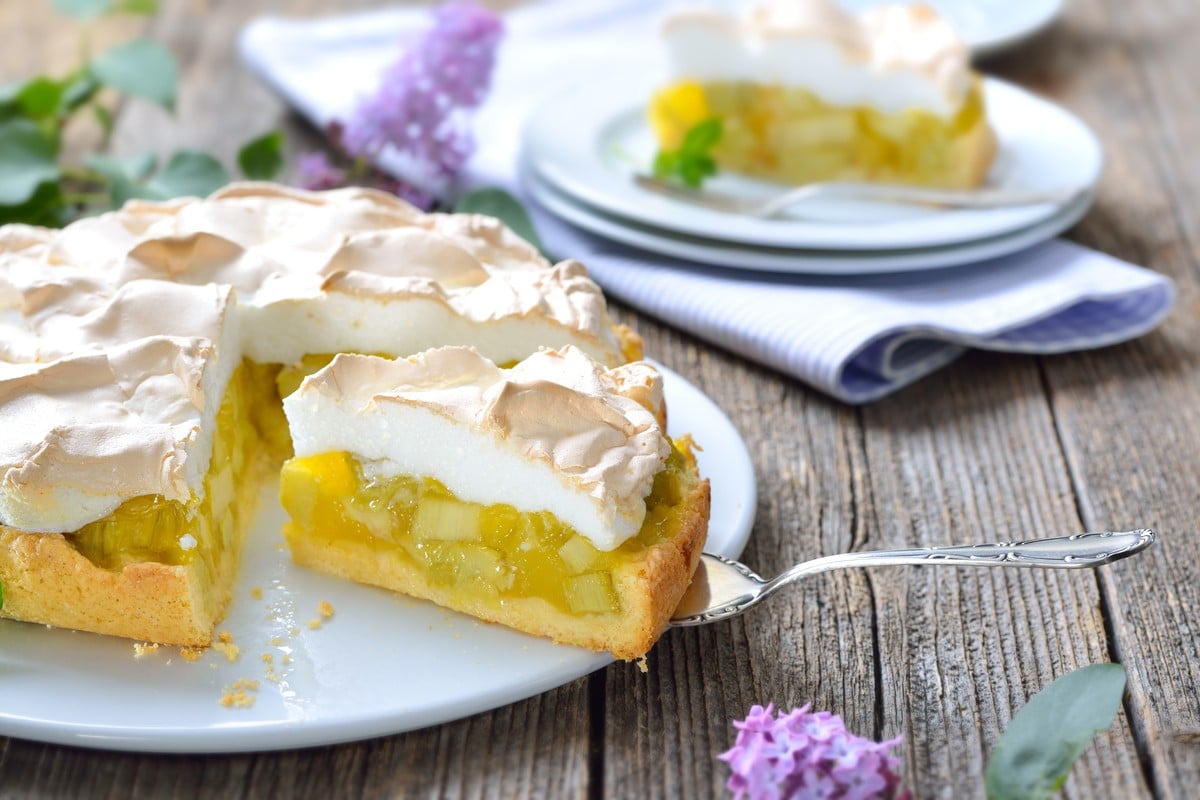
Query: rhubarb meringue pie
[
  {"x": 545, "y": 497},
  {"x": 144, "y": 352},
  {"x": 807, "y": 92}
]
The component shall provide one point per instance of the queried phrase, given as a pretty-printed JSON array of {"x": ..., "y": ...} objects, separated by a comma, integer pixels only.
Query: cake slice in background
[{"x": 808, "y": 92}]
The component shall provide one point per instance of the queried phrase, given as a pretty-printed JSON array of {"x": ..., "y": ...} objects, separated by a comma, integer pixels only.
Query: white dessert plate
[
  {"x": 383, "y": 664},
  {"x": 797, "y": 261},
  {"x": 587, "y": 142},
  {"x": 987, "y": 26}
]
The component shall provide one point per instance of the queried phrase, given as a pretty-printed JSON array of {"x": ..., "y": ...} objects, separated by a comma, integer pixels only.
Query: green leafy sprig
[
  {"x": 1034, "y": 756},
  {"x": 38, "y": 188},
  {"x": 692, "y": 161}
]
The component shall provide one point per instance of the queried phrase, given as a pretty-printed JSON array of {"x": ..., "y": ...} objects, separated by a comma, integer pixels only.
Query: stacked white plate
[{"x": 583, "y": 146}]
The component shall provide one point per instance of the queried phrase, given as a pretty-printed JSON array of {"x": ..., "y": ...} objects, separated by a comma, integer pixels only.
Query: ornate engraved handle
[{"x": 1080, "y": 551}]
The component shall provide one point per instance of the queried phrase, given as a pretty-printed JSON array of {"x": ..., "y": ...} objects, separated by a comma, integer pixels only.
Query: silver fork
[
  {"x": 724, "y": 588},
  {"x": 880, "y": 192}
]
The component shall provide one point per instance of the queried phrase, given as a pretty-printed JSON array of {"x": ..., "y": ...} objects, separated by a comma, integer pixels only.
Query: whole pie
[{"x": 144, "y": 354}]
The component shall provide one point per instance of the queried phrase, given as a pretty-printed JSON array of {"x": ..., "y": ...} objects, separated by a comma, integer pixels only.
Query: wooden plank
[
  {"x": 969, "y": 456},
  {"x": 811, "y": 645},
  {"x": 1127, "y": 415}
]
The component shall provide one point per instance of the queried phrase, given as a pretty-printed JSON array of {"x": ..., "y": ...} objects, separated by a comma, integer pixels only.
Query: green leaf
[
  {"x": 105, "y": 118},
  {"x": 188, "y": 173},
  {"x": 27, "y": 160},
  {"x": 45, "y": 207},
  {"x": 703, "y": 136},
  {"x": 504, "y": 207},
  {"x": 666, "y": 164},
  {"x": 261, "y": 159},
  {"x": 9, "y": 107},
  {"x": 142, "y": 68},
  {"x": 143, "y": 7},
  {"x": 1034, "y": 756},
  {"x": 40, "y": 98},
  {"x": 91, "y": 9},
  {"x": 84, "y": 9},
  {"x": 79, "y": 89},
  {"x": 134, "y": 168},
  {"x": 123, "y": 174},
  {"x": 692, "y": 162}
]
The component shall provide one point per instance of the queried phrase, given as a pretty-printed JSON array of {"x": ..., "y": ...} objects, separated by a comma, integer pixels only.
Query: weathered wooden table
[{"x": 992, "y": 447}]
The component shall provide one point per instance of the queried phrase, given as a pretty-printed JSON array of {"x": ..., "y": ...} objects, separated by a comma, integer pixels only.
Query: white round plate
[
  {"x": 588, "y": 141},
  {"x": 987, "y": 26},
  {"x": 797, "y": 261},
  {"x": 383, "y": 664}
]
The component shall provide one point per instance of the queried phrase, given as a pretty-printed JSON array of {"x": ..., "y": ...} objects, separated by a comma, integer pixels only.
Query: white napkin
[{"x": 856, "y": 338}]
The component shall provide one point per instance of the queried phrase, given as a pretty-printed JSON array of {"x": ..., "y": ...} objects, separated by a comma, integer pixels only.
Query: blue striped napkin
[{"x": 857, "y": 339}]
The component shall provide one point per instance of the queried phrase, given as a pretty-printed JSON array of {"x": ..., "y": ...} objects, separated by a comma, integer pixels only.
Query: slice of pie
[
  {"x": 545, "y": 497},
  {"x": 808, "y": 92}
]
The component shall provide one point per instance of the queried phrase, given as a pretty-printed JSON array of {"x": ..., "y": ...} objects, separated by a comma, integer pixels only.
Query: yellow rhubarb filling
[
  {"x": 155, "y": 568},
  {"x": 792, "y": 136},
  {"x": 154, "y": 529},
  {"x": 472, "y": 553}
]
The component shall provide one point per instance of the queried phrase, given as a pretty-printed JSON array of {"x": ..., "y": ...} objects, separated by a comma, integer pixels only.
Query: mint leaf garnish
[
  {"x": 692, "y": 161},
  {"x": 1034, "y": 756}
]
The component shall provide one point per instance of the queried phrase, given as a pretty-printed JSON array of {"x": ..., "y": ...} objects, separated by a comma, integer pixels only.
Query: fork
[
  {"x": 881, "y": 192},
  {"x": 725, "y": 588}
]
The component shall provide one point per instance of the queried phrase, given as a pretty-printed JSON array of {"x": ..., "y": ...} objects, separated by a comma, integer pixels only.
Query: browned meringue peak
[
  {"x": 292, "y": 248},
  {"x": 582, "y": 430},
  {"x": 86, "y": 432}
]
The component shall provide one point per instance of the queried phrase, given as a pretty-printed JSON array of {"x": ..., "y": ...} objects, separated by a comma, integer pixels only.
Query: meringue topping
[
  {"x": 557, "y": 432},
  {"x": 892, "y": 58},
  {"x": 119, "y": 333}
]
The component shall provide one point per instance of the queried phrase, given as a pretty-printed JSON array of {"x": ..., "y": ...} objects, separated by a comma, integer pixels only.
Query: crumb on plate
[{"x": 143, "y": 649}]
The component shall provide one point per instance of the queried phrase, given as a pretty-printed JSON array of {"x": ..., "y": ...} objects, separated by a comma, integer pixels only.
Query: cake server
[
  {"x": 877, "y": 192},
  {"x": 724, "y": 588}
]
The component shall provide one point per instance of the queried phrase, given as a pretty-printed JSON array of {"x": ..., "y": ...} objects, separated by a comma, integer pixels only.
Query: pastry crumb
[
  {"x": 314, "y": 623},
  {"x": 267, "y": 658},
  {"x": 325, "y": 609},
  {"x": 191, "y": 653},
  {"x": 238, "y": 694},
  {"x": 276, "y": 641},
  {"x": 643, "y": 664},
  {"x": 143, "y": 649},
  {"x": 256, "y": 593},
  {"x": 226, "y": 647}
]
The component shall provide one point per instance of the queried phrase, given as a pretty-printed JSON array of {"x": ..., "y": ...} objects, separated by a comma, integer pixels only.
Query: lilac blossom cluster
[
  {"x": 808, "y": 755},
  {"x": 423, "y": 104}
]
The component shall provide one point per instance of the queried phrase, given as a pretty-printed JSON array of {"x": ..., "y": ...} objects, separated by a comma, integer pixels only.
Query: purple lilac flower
[
  {"x": 316, "y": 172},
  {"x": 810, "y": 757},
  {"x": 422, "y": 105}
]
